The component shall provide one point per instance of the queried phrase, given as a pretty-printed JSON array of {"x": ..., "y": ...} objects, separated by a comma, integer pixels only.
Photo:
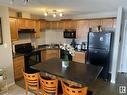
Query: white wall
[
  {"x": 123, "y": 61},
  {"x": 5, "y": 49},
  {"x": 116, "y": 53},
  {"x": 52, "y": 36},
  {"x": 96, "y": 15}
]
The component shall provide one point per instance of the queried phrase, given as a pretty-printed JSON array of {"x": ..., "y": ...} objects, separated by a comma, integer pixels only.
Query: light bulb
[
  {"x": 26, "y": 1},
  {"x": 54, "y": 15},
  {"x": 61, "y": 14},
  {"x": 11, "y": 1},
  {"x": 46, "y": 13}
]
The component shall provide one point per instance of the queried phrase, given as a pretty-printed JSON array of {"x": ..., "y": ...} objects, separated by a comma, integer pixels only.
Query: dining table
[{"x": 76, "y": 72}]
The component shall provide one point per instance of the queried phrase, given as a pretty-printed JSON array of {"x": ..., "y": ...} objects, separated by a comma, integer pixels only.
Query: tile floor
[
  {"x": 99, "y": 87},
  {"x": 15, "y": 90}
]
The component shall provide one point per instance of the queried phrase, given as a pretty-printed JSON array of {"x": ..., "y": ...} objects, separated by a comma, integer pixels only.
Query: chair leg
[{"x": 26, "y": 91}]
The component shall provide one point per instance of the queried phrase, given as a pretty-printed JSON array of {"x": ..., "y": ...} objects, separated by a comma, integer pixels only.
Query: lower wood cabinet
[
  {"x": 79, "y": 57},
  {"x": 47, "y": 54},
  {"x": 18, "y": 66}
]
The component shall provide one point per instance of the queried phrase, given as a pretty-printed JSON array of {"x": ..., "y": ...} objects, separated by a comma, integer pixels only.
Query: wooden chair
[
  {"x": 32, "y": 82},
  {"x": 49, "y": 86},
  {"x": 73, "y": 90}
]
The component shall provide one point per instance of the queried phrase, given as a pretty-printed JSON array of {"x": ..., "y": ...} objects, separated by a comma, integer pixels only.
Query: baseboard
[{"x": 11, "y": 84}]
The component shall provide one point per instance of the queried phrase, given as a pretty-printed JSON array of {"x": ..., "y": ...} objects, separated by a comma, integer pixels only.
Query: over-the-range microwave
[{"x": 69, "y": 33}]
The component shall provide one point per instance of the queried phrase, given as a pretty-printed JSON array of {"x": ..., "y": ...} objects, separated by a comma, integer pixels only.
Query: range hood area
[{"x": 26, "y": 31}]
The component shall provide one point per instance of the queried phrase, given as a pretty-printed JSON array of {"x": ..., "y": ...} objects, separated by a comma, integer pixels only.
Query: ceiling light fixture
[
  {"x": 11, "y": 1},
  {"x": 54, "y": 13},
  {"x": 46, "y": 14},
  {"x": 25, "y": 1}
]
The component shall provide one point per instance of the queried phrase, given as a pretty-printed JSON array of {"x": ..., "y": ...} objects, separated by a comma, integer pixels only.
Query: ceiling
[{"x": 69, "y": 7}]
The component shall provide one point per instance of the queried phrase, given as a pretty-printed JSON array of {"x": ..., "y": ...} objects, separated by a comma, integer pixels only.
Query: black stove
[{"x": 32, "y": 56}]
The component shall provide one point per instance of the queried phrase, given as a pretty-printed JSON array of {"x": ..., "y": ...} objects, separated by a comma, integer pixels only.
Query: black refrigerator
[{"x": 99, "y": 51}]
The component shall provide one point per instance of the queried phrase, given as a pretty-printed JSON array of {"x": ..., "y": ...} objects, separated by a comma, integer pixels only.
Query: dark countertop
[
  {"x": 17, "y": 55},
  {"x": 37, "y": 49},
  {"x": 80, "y": 73}
]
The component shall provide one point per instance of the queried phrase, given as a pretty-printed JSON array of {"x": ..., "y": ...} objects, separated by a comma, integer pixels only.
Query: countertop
[
  {"x": 45, "y": 47},
  {"x": 17, "y": 55}
]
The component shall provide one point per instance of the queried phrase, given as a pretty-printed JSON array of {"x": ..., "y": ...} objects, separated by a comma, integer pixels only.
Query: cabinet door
[
  {"x": 73, "y": 24},
  {"x": 67, "y": 24},
  {"x": 37, "y": 29},
  {"x": 82, "y": 29},
  {"x": 47, "y": 54},
  {"x": 43, "y": 55},
  {"x": 18, "y": 66},
  {"x": 30, "y": 23},
  {"x": 26, "y": 23},
  {"x": 60, "y": 24},
  {"x": 13, "y": 29},
  {"x": 42, "y": 25},
  {"x": 53, "y": 25},
  {"x": 94, "y": 23},
  {"x": 79, "y": 57},
  {"x": 21, "y": 23},
  {"x": 107, "y": 23}
]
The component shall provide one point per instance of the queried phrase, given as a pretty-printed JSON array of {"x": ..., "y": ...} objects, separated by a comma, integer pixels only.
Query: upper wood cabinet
[
  {"x": 82, "y": 29},
  {"x": 13, "y": 29},
  {"x": 53, "y": 24},
  {"x": 37, "y": 29},
  {"x": 94, "y": 23},
  {"x": 107, "y": 23},
  {"x": 43, "y": 24},
  {"x": 26, "y": 23},
  {"x": 69, "y": 24},
  {"x": 30, "y": 23},
  {"x": 60, "y": 24}
]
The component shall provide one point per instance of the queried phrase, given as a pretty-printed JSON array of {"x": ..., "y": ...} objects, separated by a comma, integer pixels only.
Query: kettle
[{"x": 83, "y": 46}]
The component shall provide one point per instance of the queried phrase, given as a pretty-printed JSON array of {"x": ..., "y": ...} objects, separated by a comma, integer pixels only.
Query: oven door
[{"x": 32, "y": 59}]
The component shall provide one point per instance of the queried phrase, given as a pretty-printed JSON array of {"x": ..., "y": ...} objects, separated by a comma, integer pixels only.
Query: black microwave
[{"x": 69, "y": 33}]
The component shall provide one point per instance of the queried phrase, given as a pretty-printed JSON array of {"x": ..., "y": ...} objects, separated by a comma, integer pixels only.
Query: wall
[
  {"x": 96, "y": 15},
  {"x": 5, "y": 49},
  {"x": 52, "y": 36}
]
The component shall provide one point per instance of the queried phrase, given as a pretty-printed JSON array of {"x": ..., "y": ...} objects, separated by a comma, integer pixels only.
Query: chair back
[
  {"x": 73, "y": 90},
  {"x": 31, "y": 81},
  {"x": 49, "y": 85}
]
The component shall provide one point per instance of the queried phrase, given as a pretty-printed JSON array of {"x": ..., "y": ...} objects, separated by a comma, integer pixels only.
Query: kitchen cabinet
[
  {"x": 70, "y": 24},
  {"x": 50, "y": 53},
  {"x": 21, "y": 23},
  {"x": 53, "y": 24},
  {"x": 60, "y": 24},
  {"x": 30, "y": 24},
  {"x": 13, "y": 29},
  {"x": 26, "y": 23},
  {"x": 107, "y": 23},
  {"x": 43, "y": 25},
  {"x": 82, "y": 29},
  {"x": 79, "y": 57},
  {"x": 94, "y": 23},
  {"x": 37, "y": 29},
  {"x": 18, "y": 66}
]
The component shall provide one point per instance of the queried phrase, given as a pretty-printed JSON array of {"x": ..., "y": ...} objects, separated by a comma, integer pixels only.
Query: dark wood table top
[{"x": 77, "y": 72}]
